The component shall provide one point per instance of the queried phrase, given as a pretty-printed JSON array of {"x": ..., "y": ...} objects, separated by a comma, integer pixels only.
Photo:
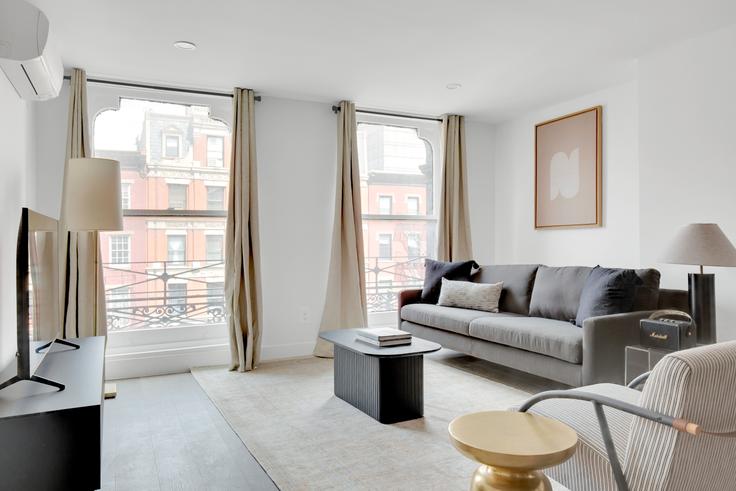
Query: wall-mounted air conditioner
[{"x": 28, "y": 61}]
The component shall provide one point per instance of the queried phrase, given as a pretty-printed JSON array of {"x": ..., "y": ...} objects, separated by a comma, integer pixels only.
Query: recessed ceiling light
[
  {"x": 453, "y": 86},
  {"x": 189, "y": 46}
]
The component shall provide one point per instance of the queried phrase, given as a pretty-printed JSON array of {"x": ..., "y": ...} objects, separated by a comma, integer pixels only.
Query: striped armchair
[{"x": 691, "y": 391}]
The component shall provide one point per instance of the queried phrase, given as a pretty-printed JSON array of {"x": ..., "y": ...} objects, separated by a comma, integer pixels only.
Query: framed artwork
[{"x": 568, "y": 171}]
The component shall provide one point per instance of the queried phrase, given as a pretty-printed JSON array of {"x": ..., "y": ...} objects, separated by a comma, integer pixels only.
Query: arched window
[
  {"x": 163, "y": 270},
  {"x": 399, "y": 165}
]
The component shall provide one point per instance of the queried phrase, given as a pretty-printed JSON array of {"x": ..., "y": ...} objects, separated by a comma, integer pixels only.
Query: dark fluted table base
[{"x": 389, "y": 389}]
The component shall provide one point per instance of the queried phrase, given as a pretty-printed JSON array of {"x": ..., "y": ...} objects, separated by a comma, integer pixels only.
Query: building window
[
  {"x": 399, "y": 160},
  {"x": 172, "y": 146},
  {"x": 385, "y": 205},
  {"x": 125, "y": 195},
  {"x": 215, "y": 198},
  {"x": 120, "y": 249},
  {"x": 412, "y": 205},
  {"x": 215, "y": 151},
  {"x": 214, "y": 247},
  {"x": 176, "y": 246},
  {"x": 384, "y": 246},
  {"x": 413, "y": 248},
  {"x": 215, "y": 293},
  {"x": 176, "y": 296},
  {"x": 178, "y": 196}
]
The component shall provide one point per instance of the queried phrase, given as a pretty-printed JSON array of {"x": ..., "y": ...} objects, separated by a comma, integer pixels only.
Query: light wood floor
[{"x": 163, "y": 433}]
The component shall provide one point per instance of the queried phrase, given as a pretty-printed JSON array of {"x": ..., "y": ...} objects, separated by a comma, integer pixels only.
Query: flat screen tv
[{"x": 37, "y": 290}]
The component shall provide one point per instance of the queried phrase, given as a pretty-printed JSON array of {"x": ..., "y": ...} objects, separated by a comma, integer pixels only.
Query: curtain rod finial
[{"x": 335, "y": 109}]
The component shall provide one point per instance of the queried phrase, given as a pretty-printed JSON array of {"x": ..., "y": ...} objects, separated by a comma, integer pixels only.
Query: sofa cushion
[
  {"x": 607, "y": 291},
  {"x": 446, "y": 318},
  {"x": 647, "y": 293},
  {"x": 558, "y": 339},
  {"x": 518, "y": 280},
  {"x": 556, "y": 293},
  {"x": 470, "y": 295},
  {"x": 434, "y": 271}
]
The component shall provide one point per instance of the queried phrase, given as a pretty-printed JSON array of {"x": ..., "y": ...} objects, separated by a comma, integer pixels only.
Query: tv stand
[
  {"x": 32, "y": 378},
  {"x": 62, "y": 428},
  {"x": 57, "y": 341}
]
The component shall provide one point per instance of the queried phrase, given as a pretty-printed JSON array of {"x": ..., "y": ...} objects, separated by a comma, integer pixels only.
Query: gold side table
[{"x": 512, "y": 448}]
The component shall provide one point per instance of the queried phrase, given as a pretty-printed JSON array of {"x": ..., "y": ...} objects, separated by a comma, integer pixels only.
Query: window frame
[
  {"x": 221, "y": 256},
  {"x": 427, "y": 214},
  {"x": 221, "y": 189},
  {"x": 418, "y": 200},
  {"x": 390, "y": 199},
  {"x": 185, "y": 187},
  {"x": 111, "y": 240},
  {"x": 390, "y": 246},
  {"x": 221, "y": 149},
  {"x": 126, "y": 194},
  {"x": 164, "y": 150},
  {"x": 179, "y": 235}
]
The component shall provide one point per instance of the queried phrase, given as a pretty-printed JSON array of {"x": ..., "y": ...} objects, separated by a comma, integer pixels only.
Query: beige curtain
[
  {"x": 242, "y": 258},
  {"x": 345, "y": 305},
  {"x": 83, "y": 289},
  {"x": 454, "y": 243}
]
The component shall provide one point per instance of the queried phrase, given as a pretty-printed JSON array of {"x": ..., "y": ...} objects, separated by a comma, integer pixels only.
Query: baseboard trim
[
  {"x": 164, "y": 361},
  {"x": 158, "y": 361}
]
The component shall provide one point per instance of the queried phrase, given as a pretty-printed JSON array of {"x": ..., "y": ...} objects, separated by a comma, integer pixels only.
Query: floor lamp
[
  {"x": 702, "y": 244},
  {"x": 92, "y": 203}
]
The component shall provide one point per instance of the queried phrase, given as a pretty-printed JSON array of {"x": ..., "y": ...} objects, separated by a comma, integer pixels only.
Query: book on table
[
  {"x": 383, "y": 344},
  {"x": 384, "y": 336}
]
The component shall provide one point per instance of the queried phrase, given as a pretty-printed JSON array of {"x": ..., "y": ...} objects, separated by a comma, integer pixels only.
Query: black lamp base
[{"x": 702, "y": 295}]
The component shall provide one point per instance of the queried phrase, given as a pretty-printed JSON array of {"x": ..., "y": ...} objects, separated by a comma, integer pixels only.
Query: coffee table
[
  {"x": 385, "y": 383},
  {"x": 512, "y": 447}
]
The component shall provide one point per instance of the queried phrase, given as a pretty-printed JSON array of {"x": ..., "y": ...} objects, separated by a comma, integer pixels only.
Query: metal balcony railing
[
  {"x": 145, "y": 295},
  {"x": 385, "y": 277},
  {"x": 156, "y": 294}
]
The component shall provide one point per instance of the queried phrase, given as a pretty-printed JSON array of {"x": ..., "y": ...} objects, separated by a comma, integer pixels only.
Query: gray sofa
[{"x": 533, "y": 331}]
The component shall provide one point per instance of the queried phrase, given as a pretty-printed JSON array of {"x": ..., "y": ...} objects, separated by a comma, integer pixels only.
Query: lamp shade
[
  {"x": 92, "y": 195},
  {"x": 703, "y": 244}
]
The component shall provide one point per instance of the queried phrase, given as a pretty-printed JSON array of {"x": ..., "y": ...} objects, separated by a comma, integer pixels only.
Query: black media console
[{"x": 52, "y": 439}]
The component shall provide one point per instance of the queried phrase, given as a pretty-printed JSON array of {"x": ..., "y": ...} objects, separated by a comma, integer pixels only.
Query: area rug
[{"x": 307, "y": 439}]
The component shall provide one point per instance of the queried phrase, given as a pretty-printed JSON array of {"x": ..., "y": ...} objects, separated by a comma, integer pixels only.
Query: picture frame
[{"x": 568, "y": 171}]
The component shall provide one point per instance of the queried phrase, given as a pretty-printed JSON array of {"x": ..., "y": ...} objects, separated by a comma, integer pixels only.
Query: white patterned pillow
[{"x": 469, "y": 295}]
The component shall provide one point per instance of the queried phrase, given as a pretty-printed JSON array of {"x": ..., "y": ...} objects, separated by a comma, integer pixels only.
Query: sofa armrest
[
  {"x": 604, "y": 341},
  {"x": 407, "y": 297}
]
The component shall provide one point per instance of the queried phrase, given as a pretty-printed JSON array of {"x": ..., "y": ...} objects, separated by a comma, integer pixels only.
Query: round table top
[{"x": 512, "y": 439}]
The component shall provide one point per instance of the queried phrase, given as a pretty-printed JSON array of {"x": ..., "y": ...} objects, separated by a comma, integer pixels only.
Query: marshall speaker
[{"x": 669, "y": 330}]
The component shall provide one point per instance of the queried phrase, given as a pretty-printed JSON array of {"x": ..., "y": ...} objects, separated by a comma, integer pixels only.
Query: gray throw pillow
[
  {"x": 607, "y": 291},
  {"x": 469, "y": 295},
  {"x": 434, "y": 271}
]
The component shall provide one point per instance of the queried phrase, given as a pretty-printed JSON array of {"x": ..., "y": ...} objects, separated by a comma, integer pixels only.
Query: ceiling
[{"x": 400, "y": 55}]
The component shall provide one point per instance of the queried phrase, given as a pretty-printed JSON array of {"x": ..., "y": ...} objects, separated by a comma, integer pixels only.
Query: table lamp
[
  {"x": 92, "y": 202},
  {"x": 702, "y": 244}
]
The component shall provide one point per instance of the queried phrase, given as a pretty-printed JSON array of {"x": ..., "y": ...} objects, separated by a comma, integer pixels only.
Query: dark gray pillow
[
  {"x": 434, "y": 271},
  {"x": 607, "y": 291},
  {"x": 556, "y": 292}
]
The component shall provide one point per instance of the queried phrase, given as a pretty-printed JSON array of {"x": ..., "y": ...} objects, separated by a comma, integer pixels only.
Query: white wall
[
  {"x": 614, "y": 244},
  {"x": 479, "y": 147},
  {"x": 688, "y": 154},
  {"x": 14, "y": 164},
  {"x": 296, "y": 144}
]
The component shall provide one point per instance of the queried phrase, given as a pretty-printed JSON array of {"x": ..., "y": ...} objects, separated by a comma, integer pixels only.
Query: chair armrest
[
  {"x": 407, "y": 297},
  {"x": 604, "y": 342}
]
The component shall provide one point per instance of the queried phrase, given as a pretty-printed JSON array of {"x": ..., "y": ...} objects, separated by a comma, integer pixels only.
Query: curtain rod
[
  {"x": 336, "y": 109},
  {"x": 158, "y": 87}
]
